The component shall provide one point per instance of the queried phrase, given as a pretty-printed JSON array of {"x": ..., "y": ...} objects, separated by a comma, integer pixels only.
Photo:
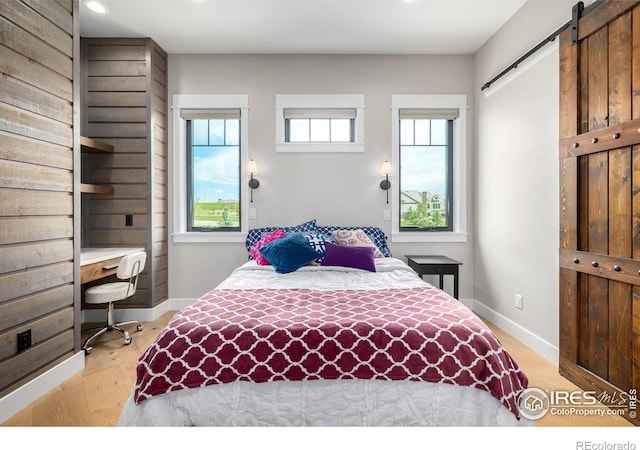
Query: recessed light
[{"x": 95, "y": 6}]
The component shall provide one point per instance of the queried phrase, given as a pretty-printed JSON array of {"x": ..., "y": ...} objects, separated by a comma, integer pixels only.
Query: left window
[
  {"x": 213, "y": 170},
  {"x": 210, "y": 134}
]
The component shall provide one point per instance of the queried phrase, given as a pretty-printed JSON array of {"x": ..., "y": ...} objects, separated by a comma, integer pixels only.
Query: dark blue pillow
[
  {"x": 356, "y": 257},
  {"x": 289, "y": 253}
]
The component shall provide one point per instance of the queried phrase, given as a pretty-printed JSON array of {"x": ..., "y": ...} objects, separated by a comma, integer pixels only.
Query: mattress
[{"x": 326, "y": 346}]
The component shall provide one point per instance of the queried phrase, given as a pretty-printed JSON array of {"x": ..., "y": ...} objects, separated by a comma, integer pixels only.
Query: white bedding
[{"x": 319, "y": 402}]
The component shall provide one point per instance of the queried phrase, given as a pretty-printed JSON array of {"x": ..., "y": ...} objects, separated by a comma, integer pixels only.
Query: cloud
[
  {"x": 424, "y": 169},
  {"x": 218, "y": 165}
]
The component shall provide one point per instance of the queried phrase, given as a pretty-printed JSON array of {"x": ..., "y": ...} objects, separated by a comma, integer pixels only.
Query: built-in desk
[{"x": 100, "y": 262}]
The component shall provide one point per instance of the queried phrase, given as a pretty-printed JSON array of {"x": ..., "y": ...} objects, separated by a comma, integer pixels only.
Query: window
[
  {"x": 426, "y": 170},
  {"x": 429, "y": 164},
  {"x": 213, "y": 170},
  {"x": 209, "y": 151},
  {"x": 319, "y": 123}
]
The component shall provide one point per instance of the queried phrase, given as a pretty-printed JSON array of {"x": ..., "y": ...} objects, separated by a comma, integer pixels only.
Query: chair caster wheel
[
  {"x": 87, "y": 350},
  {"x": 139, "y": 327},
  {"x": 127, "y": 338}
]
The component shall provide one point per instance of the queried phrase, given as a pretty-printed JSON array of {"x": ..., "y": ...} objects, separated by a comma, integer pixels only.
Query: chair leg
[{"x": 111, "y": 325}]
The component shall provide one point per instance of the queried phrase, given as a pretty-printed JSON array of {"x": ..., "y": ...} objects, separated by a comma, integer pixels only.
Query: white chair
[{"x": 128, "y": 269}]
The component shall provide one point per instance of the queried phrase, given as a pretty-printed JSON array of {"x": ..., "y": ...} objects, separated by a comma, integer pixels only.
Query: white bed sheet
[{"x": 323, "y": 403}]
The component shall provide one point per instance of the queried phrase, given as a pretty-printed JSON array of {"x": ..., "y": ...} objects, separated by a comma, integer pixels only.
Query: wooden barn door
[{"x": 600, "y": 202}]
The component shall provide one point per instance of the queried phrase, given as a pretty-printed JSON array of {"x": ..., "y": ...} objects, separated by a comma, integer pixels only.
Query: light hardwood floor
[{"x": 95, "y": 397}]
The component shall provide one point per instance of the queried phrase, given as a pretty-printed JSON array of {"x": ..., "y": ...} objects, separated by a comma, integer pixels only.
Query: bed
[{"x": 352, "y": 337}]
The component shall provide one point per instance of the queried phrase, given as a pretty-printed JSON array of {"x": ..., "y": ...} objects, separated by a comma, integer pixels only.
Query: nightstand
[{"x": 436, "y": 265}]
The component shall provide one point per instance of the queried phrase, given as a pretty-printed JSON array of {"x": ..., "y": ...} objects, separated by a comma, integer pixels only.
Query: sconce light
[
  {"x": 385, "y": 184},
  {"x": 252, "y": 168}
]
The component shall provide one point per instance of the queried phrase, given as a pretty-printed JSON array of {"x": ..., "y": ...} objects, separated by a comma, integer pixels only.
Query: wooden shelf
[
  {"x": 95, "y": 189},
  {"x": 91, "y": 145}
]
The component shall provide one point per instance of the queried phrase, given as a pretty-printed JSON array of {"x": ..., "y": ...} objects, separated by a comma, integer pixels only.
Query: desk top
[
  {"x": 92, "y": 255},
  {"x": 432, "y": 259}
]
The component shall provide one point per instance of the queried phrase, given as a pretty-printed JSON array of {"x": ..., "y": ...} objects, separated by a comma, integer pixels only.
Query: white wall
[
  {"x": 335, "y": 189},
  {"x": 516, "y": 172}
]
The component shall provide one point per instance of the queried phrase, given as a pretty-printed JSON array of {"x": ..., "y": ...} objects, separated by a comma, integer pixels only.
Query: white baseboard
[
  {"x": 542, "y": 347},
  {"x": 141, "y": 314},
  {"x": 12, "y": 403}
]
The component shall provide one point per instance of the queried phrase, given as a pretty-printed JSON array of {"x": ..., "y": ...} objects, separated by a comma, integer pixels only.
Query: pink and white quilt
[{"x": 264, "y": 335}]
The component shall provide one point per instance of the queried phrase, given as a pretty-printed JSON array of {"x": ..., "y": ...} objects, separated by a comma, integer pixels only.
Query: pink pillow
[
  {"x": 267, "y": 238},
  {"x": 355, "y": 238}
]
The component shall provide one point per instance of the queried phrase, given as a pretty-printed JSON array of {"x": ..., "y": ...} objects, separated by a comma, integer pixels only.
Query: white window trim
[
  {"x": 459, "y": 233},
  {"x": 179, "y": 149},
  {"x": 320, "y": 101}
]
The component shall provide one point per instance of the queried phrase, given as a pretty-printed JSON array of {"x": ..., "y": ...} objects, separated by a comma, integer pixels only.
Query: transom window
[
  {"x": 213, "y": 170},
  {"x": 426, "y": 170},
  {"x": 319, "y": 125}
]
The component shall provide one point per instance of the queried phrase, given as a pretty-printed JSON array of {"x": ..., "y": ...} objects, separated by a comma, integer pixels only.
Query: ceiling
[{"x": 304, "y": 26}]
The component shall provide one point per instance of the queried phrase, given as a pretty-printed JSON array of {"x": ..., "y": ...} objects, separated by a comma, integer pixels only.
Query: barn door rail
[
  {"x": 626, "y": 270},
  {"x": 578, "y": 11}
]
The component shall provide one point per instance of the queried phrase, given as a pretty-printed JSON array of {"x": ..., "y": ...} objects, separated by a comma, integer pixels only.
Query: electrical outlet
[
  {"x": 24, "y": 340},
  {"x": 519, "y": 301},
  {"x": 387, "y": 214}
]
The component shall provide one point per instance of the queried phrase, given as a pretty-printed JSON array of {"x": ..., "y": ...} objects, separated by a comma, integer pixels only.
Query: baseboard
[
  {"x": 542, "y": 347},
  {"x": 141, "y": 314},
  {"x": 12, "y": 403}
]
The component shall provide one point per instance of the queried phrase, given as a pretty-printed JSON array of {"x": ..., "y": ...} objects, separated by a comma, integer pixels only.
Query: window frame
[
  {"x": 320, "y": 101},
  {"x": 178, "y": 170},
  {"x": 450, "y": 209},
  {"x": 458, "y": 233},
  {"x": 190, "y": 194}
]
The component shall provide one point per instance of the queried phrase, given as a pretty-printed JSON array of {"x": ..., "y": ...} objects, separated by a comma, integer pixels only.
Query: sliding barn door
[{"x": 600, "y": 202}]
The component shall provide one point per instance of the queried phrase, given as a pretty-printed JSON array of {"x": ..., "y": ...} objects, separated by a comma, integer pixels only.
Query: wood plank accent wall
[
  {"x": 37, "y": 213},
  {"x": 125, "y": 105}
]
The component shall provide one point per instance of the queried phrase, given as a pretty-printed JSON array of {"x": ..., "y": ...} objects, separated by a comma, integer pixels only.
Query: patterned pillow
[
  {"x": 376, "y": 235},
  {"x": 255, "y": 234},
  {"x": 318, "y": 241},
  {"x": 355, "y": 238},
  {"x": 266, "y": 239}
]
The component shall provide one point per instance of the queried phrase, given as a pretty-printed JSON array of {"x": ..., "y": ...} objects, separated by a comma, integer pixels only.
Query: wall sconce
[
  {"x": 385, "y": 184},
  {"x": 252, "y": 168}
]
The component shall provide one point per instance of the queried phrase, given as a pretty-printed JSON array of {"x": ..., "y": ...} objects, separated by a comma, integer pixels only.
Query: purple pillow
[{"x": 356, "y": 257}]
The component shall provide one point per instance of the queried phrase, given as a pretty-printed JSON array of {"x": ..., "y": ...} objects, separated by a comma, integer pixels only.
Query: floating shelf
[
  {"x": 91, "y": 145},
  {"x": 95, "y": 189}
]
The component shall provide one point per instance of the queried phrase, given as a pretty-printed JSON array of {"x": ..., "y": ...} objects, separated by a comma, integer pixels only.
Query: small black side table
[{"x": 436, "y": 265}]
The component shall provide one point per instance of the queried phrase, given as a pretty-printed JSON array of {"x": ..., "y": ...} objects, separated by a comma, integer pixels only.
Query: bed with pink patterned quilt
[{"x": 326, "y": 346}]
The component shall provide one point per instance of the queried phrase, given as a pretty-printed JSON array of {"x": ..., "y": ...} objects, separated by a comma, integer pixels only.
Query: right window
[
  {"x": 426, "y": 170},
  {"x": 429, "y": 180}
]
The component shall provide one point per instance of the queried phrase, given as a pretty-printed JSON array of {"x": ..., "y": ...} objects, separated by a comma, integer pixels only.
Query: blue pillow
[
  {"x": 356, "y": 257},
  {"x": 255, "y": 234},
  {"x": 289, "y": 253}
]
